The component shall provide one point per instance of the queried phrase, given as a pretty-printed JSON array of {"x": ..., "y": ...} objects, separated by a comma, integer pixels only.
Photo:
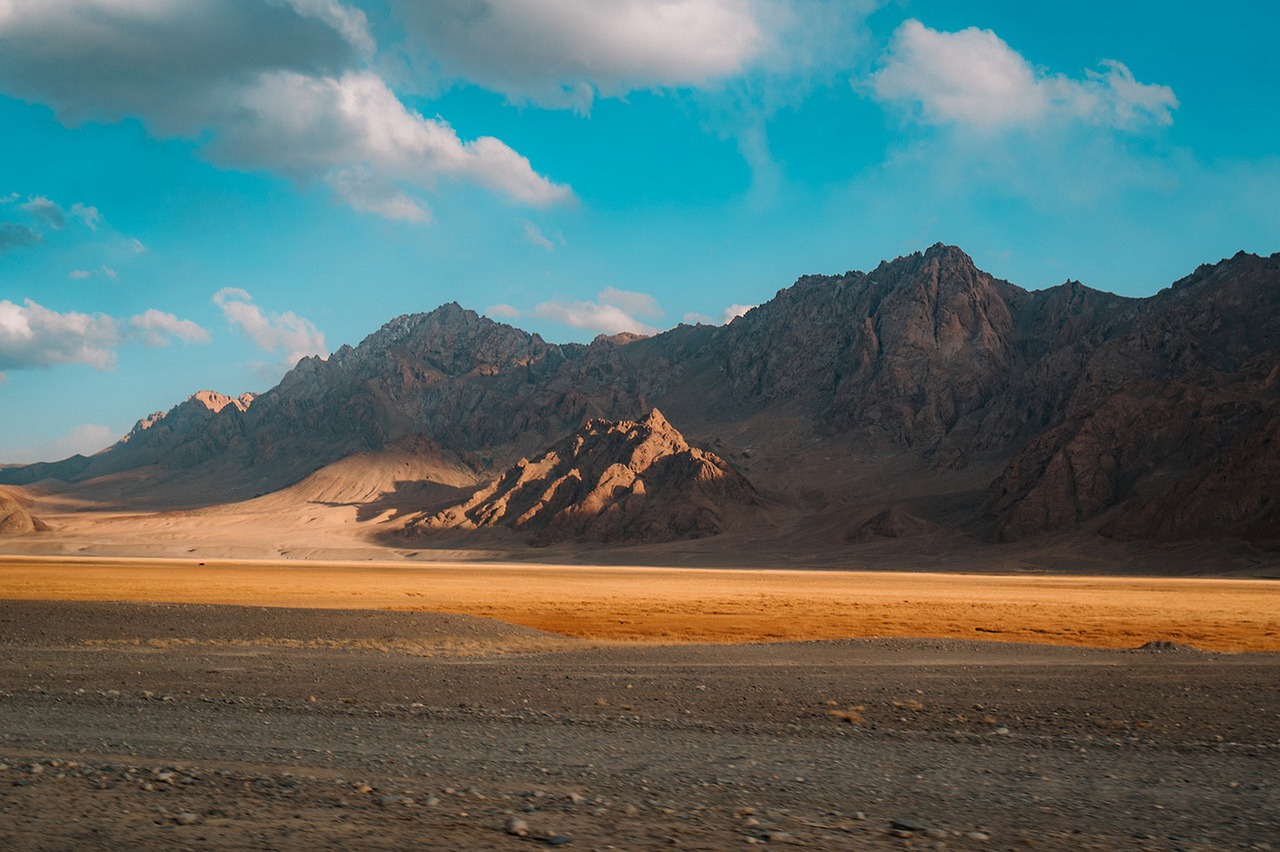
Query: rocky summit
[
  {"x": 923, "y": 398},
  {"x": 611, "y": 481}
]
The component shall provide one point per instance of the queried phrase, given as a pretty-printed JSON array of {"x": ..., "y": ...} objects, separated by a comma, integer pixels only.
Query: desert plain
[{"x": 274, "y": 704}]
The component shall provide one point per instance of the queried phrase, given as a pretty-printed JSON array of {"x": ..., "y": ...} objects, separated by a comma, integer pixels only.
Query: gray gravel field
[{"x": 149, "y": 726}]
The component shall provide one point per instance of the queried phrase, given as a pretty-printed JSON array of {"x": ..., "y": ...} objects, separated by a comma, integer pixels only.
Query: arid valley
[{"x": 1010, "y": 581}]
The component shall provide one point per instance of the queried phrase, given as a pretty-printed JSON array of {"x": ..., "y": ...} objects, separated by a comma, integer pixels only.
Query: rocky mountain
[
  {"x": 925, "y": 384},
  {"x": 610, "y": 481}
]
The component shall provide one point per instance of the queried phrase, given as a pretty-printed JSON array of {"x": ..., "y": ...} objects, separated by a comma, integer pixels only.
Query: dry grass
[{"x": 698, "y": 605}]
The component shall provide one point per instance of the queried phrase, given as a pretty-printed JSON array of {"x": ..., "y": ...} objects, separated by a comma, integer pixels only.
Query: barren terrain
[{"x": 596, "y": 714}]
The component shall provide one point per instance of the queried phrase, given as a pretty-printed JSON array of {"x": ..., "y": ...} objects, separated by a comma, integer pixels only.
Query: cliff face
[
  {"x": 1172, "y": 425},
  {"x": 611, "y": 481},
  {"x": 1139, "y": 418}
]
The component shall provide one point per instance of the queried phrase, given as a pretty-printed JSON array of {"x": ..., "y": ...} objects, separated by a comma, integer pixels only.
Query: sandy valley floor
[{"x": 285, "y": 706}]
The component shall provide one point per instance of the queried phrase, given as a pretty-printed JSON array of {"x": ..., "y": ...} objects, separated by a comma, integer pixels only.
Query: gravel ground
[{"x": 142, "y": 726}]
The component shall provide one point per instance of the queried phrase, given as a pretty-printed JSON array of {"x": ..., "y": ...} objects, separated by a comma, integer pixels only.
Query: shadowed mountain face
[
  {"x": 611, "y": 481},
  {"x": 1152, "y": 418}
]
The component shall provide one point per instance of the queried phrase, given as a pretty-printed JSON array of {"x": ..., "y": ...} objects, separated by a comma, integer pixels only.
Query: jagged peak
[
  {"x": 215, "y": 401},
  {"x": 655, "y": 421}
]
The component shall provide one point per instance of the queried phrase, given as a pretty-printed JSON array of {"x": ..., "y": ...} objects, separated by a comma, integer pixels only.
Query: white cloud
[
  {"x": 110, "y": 273},
  {"x": 85, "y": 439},
  {"x": 354, "y": 132},
  {"x": 370, "y": 194},
  {"x": 296, "y": 336},
  {"x": 612, "y": 312},
  {"x": 973, "y": 78},
  {"x": 136, "y": 245},
  {"x": 502, "y": 311},
  {"x": 727, "y": 316},
  {"x": 89, "y": 215},
  {"x": 158, "y": 327},
  {"x": 533, "y": 236},
  {"x": 79, "y": 274},
  {"x": 281, "y": 85},
  {"x": 32, "y": 335},
  {"x": 561, "y": 53}
]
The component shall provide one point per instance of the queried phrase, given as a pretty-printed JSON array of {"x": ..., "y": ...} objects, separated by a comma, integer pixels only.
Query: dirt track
[{"x": 231, "y": 727}]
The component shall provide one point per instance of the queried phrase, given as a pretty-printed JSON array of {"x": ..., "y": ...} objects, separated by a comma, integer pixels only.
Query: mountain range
[{"x": 924, "y": 397}]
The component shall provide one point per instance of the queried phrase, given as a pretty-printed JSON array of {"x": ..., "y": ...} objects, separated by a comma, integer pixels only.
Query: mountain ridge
[{"x": 1085, "y": 410}]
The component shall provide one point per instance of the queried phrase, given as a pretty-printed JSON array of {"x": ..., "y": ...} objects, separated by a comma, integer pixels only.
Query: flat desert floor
[{"x": 149, "y": 703}]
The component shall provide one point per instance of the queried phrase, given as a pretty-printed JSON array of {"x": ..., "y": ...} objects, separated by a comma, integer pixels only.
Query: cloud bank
[{"x": 285, "y": 87}]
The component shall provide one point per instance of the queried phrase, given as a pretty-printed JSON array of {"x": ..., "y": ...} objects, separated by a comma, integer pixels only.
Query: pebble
[
  {"x": 906, "y": 825},
  {"x": 36, "y": 769},
  {"x": 978, "y": 835},
  {"x": 517, "y": 827},
  {"x": 558, "y": 840},
  {"x": 389, "y": 800},
  {"x": 186, "y": 818},
  {"x": 577, "y": 798}
]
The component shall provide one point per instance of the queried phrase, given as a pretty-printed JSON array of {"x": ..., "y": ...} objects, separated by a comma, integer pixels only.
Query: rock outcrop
[
  {"x": 612, "y": 481},
  {"x": 14, "y": 517}
]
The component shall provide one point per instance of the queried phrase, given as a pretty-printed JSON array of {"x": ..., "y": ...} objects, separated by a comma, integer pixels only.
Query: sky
[{"x": 196, "y": 193}]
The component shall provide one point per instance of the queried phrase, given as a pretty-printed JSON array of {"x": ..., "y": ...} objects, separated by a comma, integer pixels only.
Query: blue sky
[{"x": 194, "y": 193}]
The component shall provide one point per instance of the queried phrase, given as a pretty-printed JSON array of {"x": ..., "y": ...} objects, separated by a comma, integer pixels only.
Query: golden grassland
[{"x": 681, "y": 605}]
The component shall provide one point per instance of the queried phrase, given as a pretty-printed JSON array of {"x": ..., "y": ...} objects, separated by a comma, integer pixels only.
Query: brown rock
[{"x": 611, "y": 481}]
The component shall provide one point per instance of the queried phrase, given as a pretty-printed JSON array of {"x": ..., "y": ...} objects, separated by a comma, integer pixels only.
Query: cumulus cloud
[
  {"x": 613, "y": 311},
  {"x": 281, "y": 85},
  {"x": 32, "y": 335},
  {"x": 289, "y": 333},
  {"x": 561, "y": 53},
  {"x": 85, "y": 439},
  {"x": 973, "y": 78}
]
